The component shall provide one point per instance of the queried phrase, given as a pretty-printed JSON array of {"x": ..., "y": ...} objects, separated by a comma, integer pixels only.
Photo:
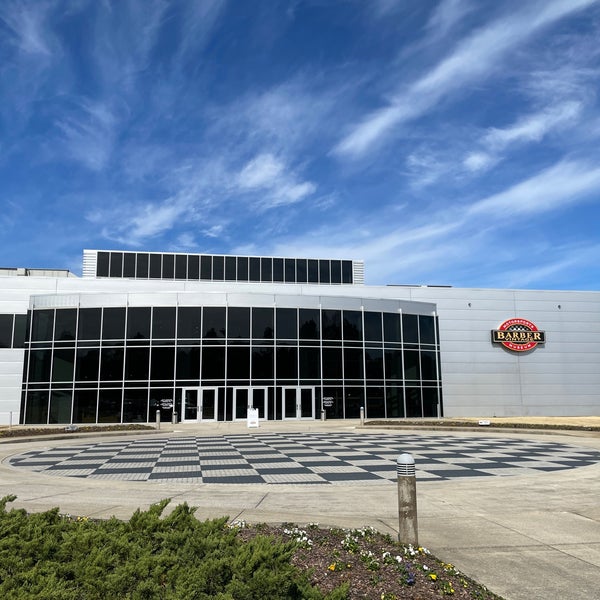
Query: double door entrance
[
  {"x": 298, "y": 403},
  {"x": 199, "y": 404}
]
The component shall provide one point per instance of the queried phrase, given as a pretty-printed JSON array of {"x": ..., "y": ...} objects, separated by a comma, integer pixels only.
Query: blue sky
[{"x": 453, "y": 142}]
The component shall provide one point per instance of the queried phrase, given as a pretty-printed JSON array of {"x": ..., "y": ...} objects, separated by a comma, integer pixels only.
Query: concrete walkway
[{"x": 523, "y": 536}]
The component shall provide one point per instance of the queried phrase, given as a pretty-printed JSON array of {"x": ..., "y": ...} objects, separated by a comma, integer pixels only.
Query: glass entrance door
[
  {"x": 199, "y": 404},
  {"x": 249, "y": 397},
  {"x": 298, "y": 403}
]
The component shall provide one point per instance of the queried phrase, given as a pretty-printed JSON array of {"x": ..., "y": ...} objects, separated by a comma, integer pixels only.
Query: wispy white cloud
[
  {"x": 27, "y": 22},
  {"x": 474, "y": 58}
]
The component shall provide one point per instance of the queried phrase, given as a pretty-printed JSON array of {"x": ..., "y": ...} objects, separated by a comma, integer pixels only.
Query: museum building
[{"x": 208, "y": 337}]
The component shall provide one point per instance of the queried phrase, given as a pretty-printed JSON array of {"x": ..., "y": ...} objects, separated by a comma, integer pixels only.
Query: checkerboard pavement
[{"x": 309, "y": 458}]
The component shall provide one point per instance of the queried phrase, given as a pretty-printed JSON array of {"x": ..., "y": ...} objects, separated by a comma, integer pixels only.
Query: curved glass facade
[{"x": 119, "y": 364}]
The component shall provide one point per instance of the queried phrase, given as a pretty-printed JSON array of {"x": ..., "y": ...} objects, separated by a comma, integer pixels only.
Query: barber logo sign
[{"x": 518, "y": 335}]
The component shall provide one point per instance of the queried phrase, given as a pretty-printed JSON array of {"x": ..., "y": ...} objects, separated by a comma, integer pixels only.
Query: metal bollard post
[
  {"x": 362, "y": 416},
  {"x": 407, "y": 501},
  {"x": 322, "y": 414},
  {"x": 174, "y": 417},
  {"x": 158, "y": 419}
]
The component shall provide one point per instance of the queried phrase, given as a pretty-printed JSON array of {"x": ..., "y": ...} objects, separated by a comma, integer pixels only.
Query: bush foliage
[{"x": 54, "y": 557}]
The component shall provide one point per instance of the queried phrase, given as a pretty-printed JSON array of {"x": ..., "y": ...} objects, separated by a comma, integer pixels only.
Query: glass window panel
[
  {"x": 262, "y": 323},
  {"x": 188, "y": 362},
  {"x": 6, "y": 330},
  {"x": 324, "y": 276},
  {"x": 355, "y": 398},
  {"x": 20, "y": 331},
  {"x": 336, "y": 271},
  {"x": 430, "y": 402},
  {"x": 230, "y": 270},
  {"x": 111, "y": 364},
  {"x": 109, "y": 406},
  {"x": 39, "y": 365},
  {"x": 36, "y": 411},
  {"x": 43, "y": 325},
  {"x": 278, "y": 269},
  {"x": 135, "y": 406},
  {"x": 310, "y": 363},
  {"x": 238, "y": 322},
  {"x": 62, "y": 365},
  {"x": 181, "y": 266},
  {"x": 301, "y": 270},
  {"x": 332, "y": 363},
  {"x": 313, "y": 271},
  {"x": 60, "y": 407},
  {"x": 103, "y": 259},
  {"x": 168, "y": 266},
  {"x": 84, "y": 406},
  {"x": 138, "y": 323},
  {"x": 90, "y": 320},
  {"x": 213, "y": 362},
  {"x": 287, "y": 324},
  {"x": 218, "y": 268},
  {"x": 163, "y": 322},
  {"x": 374, "y": 363},
  {"x": 287, "y": 363},
  {"x": 163, "y": 363},
  {"x": 309, "y": 324},
  {"x": 213, "y": 322},
  {"x": 189, "y": 322},
  {"x": 137, "y": 364},
  {"x": 254, "y": 268},
  {"x": 155, "y": 266},
  {"x": 410, "y": 329},
  {"x": 428, "y": 368},
  {"x": 206, "y": 267},
  {"x": 86, "y": 365},
  {"x": 375, "y": 408},
  {"x": 426, "y": 329},
  {"x": 413, "y": 402},
  {"x": 373, "y": 326},
  {"x": 331, "y": 323},
  {"x": 238, "y": 362},
  {"x": 113, "y": 324},
  {"x": 128, "y": 267},
  {"x": 334, "y": 397},
  {"x": 142, "y": 261},
  {"x": 116, "y": 264},
  {"x": 391, "y": 327},
  {"x": 262, "y": 362},
  {"x": 394, "y": 402},
  {"x": 66, "y": 324},
  {"x": 346, "y": 271},
  {"x": 411, "y": 365},
  {"x": 290, "y": 270},
  {"x": 242, "y": 268},
  {"x": 352, "y": 325},
  {"x": 353, "y": 363},
  {"x": 193, "y": 267},
  {"x": 266, "y": 269},
  {"x": 393, "y": 364}
]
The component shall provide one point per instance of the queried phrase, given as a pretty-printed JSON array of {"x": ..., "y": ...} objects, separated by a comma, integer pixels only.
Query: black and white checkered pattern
[{"x": 309, "y": 458}]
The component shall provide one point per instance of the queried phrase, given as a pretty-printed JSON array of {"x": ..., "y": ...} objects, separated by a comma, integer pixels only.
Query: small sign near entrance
[
  {"x": 328, "y": 402},
  {"x": 253, "y": 417},
  {"x": 166, "y": 403}
]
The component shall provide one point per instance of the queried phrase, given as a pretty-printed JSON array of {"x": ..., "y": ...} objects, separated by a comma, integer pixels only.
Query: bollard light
[
  {"x": 407, "y": 501},
  {"x": 158, "y": 419}
]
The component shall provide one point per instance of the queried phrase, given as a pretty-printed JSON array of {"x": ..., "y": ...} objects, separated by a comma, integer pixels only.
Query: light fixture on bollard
[{"x": 408, "y": 533}]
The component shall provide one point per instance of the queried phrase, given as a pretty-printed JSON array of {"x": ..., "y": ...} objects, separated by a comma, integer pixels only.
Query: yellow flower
[
  {"x": 331, "y": 567},
  {"x": 432, "y": 576}
]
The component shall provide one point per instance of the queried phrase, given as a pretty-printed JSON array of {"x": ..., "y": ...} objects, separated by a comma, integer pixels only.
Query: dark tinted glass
[
  {"x": 213, "y": 362},
  {"x": 376, "y": 402},
  {"x": 287, "y": 324},
  {"x": 189, "y": 322},
  {"x": 218, "y": 268},
  {"x": 278, "y": 269},
  {"x": 193, "y": 267},
  {"x": 309, "y": 324},
  {"x": 313, "y": 271},
  {"x": 109, "y": 406},
  {"x": 301, "y": 270},
  {"x": 230, "y": 270},
  {"x": 128, "y": 267},
  {"x": 324, "y": 276},
  {"x": 411, "y": 365},
  {"x": 336, "y": 271},
  {"x": 373, "y": 326},
  {"x": 310, "y": 363},
  {"x": 111, "y": 364},
  {"x": 137, "y": 364},
  {"x": 374, "y": 363},
  {"x": 214, "y": 322},
  {"x": 426, "y": 329},
  {"x": 242, "y": 268},
  {"x": 60, "y": 407},
  {"x": 331, "y": 324},
  {"x": 168, "y": 269},
  {"x": 39, "y": 365},
  {"x": 43, "y": 325},
  {"x": 102, "y": 264},
  {"x": 135, "y": 406},
  {"x": 238, "y": 362},
  {"x": 84, "y": 406},
  {"x": 266, "y": 269},
  {"x": 65, "y": 327},
  {"x": 20, "y": 331},
  {"x": 332, "y": 363},
  {"x": 413, "y": 402},
  {"x": 89, "y": 323},
  {"x": 254, "y": 268},
  {"x": 181, "y": 266},
  {"x": 353, "y": 363},
  {"x": 287, "y": 363},
  {"x": 352, "y": 325},
  {"x": 138, "y": 323},
  {"x": 238, "y": 323},
  {"x": 262, "y": 323},
  {"x": 428, "y": 367},
  {"x": 430, "y": 402},
  {"x": 36, "y": 410},
  {"x": 262, "y": 362},
  {"x": 155, "y": 266},
  {"x": 290, "y": 270},
  {"x": 391, "y": 327},
  {"x": 162, "y": 363},
  {"x": 393, "y": 364},
  {"x": 188, "y": 362},
  {"x": 394, "y": 402},
  {"x": 142, "y": 266},
  {"x": 116, "y": 264},
  {"x": 163, "y": 322},
  {"x": 113, "y": 324},
  {"x": 86, "y": 366},
  {"x": 410, "y": 329},
  {"x": 62, "y": 365},
  {"x": 206, "y": 267},
  {"x": 346, "y": 271},
  {"x": 6, "y": 330}
]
